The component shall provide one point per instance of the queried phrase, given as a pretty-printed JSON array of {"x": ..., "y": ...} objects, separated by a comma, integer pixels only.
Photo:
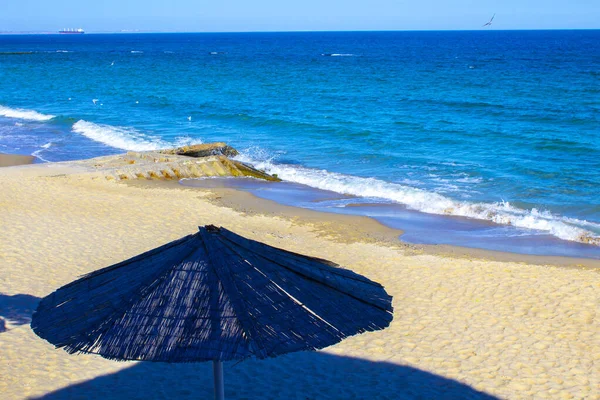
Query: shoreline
[
  {"x": 419, "y": 228},
  {"x": 370, "y": 229},
  {"x": 377, "y": 231},
  {"x": 467, "y": 326}
]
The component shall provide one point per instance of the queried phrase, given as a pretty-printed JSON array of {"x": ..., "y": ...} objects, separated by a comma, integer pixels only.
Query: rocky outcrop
[
  {"x": 203, "y": 150},
  {"x": 163, "y": 165}
]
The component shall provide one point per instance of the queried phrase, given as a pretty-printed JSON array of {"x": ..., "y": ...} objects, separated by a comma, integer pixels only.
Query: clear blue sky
[{"x": 285, "y": 15}]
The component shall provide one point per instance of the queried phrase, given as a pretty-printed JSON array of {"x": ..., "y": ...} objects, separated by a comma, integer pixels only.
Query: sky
[{"x": 303, "y": 15}]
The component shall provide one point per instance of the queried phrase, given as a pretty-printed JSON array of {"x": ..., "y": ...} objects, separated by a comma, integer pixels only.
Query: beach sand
[{"x": 466, "y": 325}]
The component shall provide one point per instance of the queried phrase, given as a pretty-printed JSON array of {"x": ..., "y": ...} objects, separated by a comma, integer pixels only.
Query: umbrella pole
[{"x": 218, "y": 380}]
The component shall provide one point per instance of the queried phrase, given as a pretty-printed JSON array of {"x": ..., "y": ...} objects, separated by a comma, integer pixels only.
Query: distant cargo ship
[{"x": 71, "y": 31}]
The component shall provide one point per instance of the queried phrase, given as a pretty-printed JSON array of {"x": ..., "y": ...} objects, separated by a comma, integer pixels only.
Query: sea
[{"x": 486, "y": 139}]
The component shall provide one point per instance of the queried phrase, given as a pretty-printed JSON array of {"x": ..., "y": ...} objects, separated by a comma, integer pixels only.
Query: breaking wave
[
  {"x": 338, "y": 55},
  {"x": 21, "y": 113},
  {"x": 433, "y": 203},
  {"x": 119, "y": 137}
]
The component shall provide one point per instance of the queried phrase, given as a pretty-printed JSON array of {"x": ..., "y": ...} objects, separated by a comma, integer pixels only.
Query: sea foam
[
  {"x": 118, "y": 137},
  {"x": 38, "y": 153},
  {"x": 434, "y": 203},
  {"x": 21, "y": 113},
  {"x": 126, "y": 138},
  {"x": 338, "y": 55}
]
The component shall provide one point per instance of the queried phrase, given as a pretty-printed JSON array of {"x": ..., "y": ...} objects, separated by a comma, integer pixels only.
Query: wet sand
[
  {"x": 9, "y": 160},
  {"x": 466, "y": 324},
  {"x": 417, "y": 227}
]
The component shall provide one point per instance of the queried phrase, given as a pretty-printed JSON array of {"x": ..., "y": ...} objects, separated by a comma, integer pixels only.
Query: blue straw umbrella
[{"x": 213, "y": 295}]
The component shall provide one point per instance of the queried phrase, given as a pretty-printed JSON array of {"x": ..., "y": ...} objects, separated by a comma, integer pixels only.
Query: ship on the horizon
[{"x": 71, "y": 30}]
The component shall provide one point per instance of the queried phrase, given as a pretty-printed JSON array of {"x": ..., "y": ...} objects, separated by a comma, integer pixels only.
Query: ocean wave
[
  {"x": 185, "y": 141},
  {"x": 338, "y": 55},
  {"x": 127, "y": 138},
  {"x": 118, "y": 137},
  {"x": 43, "y": 148},
  {"x": 502, "y": 213},
  {"x": 21, "y": 113},
  {"x": 469, "y": 179}
]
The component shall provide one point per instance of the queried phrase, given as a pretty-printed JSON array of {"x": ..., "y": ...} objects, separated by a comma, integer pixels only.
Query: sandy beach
[{"x": 467, "y": 325}]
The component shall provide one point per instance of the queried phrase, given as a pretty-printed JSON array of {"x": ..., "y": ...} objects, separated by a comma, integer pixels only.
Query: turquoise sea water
[{"x": 493, "y": 132}]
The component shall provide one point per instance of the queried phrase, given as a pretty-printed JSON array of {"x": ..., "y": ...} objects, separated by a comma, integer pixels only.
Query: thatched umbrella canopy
[{"x": 213, "y": 295}]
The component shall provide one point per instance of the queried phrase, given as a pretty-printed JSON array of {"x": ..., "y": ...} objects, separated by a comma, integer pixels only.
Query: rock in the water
[{"x": 203, "y": 150}]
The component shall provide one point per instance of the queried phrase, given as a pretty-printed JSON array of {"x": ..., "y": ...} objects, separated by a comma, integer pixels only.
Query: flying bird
[{"x": 489, "y": 23}]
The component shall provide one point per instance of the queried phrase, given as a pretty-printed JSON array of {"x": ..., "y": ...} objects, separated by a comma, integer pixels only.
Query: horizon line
[{"x": 141, "y": 31}]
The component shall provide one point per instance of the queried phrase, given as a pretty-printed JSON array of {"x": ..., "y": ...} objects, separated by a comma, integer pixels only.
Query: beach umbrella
[{"x": 211, "y": 296}]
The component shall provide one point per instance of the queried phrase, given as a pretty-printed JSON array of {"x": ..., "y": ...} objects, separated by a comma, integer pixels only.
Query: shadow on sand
[
  {"x": 308, "y": 375},
  {"x": 16, "y": 309},
  {"x": 302, "y": 376}
]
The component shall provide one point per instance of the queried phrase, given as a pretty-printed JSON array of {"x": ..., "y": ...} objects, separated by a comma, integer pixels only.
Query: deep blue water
[{"x": 496, "y": 126}]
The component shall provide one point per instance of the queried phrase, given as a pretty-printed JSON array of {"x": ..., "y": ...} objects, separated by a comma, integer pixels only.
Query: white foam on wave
[
  {"x": 127, "y": 138},
  {"x": 118, "y": 137},
  {"x": 339, "y": 55},
  {"x": 21, "y": 113},
  {"x": 43, "y": 148},
  {"x": 185, "y": 141},
  {"x": 433, "y": 203},
  {"x": 469, "y": 179}
]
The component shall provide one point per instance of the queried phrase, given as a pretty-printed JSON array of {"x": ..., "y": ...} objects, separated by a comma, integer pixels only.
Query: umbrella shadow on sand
[
  {"x": 302, "y": 376},
  {"x": 16, "y": 309},
  {"x": 218, "y": 296}
]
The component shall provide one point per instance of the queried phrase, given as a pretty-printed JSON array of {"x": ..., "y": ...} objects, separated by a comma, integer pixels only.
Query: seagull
[
  {"x": 190, "y": 118},
  {"x": 95, "y": 101},
  {"x": 489, "y": 23}
]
